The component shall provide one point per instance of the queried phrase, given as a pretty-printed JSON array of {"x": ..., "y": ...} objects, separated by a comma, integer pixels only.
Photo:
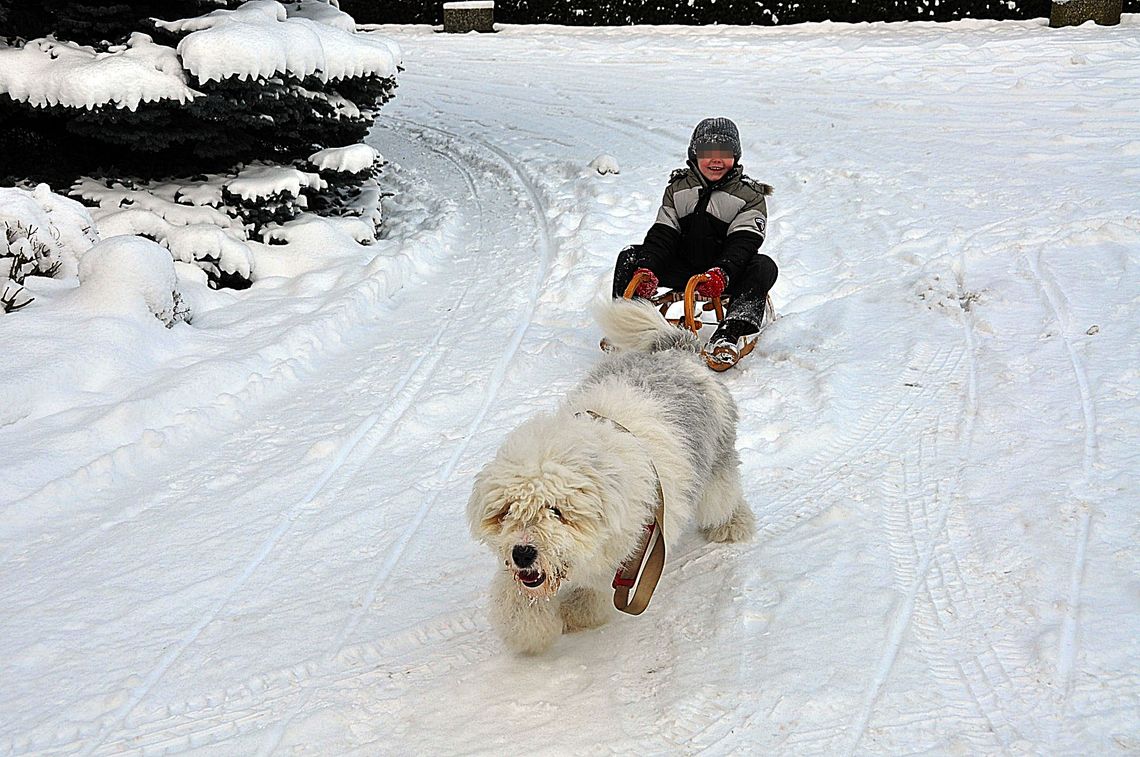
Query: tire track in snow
[
  {"x": 913, "y": 528},
  {"x": 285, "y": 522},
  {"x": 903, "y": 617},
  {"x": 973, "y": 677},
  {"x": 495, "y": 384},
  {"x": 887, "y": 419}
]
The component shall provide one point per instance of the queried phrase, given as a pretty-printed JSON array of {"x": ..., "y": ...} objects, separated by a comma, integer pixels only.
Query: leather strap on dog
[
  {"x": 641, "y": 574},
  {"x": 649, "y": 562}
]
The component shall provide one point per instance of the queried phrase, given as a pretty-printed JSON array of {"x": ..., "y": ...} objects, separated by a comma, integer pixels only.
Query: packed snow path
[{"x": 258, "y": 546}]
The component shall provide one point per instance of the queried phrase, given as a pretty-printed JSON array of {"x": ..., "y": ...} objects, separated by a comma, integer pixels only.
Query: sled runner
[{"x": 697, "y": 313}]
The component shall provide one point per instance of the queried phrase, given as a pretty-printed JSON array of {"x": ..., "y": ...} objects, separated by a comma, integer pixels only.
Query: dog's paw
[
  {"x": 583, "y": 609},
  {"x": 740, "y": 527},
  {"x": 527, "y": 631}
]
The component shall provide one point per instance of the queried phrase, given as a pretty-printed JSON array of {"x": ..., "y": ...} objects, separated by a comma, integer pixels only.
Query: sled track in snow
[
  {"x": 1055, "y": 298},
  {"x": 370, "y": 427},
  {"x": 380, "y": 579},
  {"x": 255, "y": 704},
  {"x": 188, "y": 425},
  {"x": 887, "y": 420}
]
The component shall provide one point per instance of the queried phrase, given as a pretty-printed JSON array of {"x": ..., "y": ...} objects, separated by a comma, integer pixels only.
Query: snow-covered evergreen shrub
[
  {"x": 21, "y": 254},
  {"x": 248, "y": 87},
  {"x": 188, "y": 217},
  {"x": 349, "y": 174},
  {"x": 41, "y": 234}
]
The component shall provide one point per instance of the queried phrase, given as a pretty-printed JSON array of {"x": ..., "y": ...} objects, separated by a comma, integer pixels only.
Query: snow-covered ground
[{"x": 245, "y": 535}]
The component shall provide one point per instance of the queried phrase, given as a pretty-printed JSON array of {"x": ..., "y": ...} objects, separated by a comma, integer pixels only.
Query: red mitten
[
  {"x": 714, "y": 285},
  {"x": 648, "y": 286}
]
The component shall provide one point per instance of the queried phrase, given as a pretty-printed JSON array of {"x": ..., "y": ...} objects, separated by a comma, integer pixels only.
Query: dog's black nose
[{"x": 524, "y": 555}]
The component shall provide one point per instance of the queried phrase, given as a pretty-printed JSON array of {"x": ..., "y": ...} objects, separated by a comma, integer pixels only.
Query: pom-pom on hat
[{"x": 715, "y": 132}]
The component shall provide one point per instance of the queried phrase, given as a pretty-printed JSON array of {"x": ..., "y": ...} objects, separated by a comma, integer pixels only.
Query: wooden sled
[{"x": 695, "y": 316}]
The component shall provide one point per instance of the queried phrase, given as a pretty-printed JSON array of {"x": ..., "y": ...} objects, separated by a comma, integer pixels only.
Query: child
[{"x": 712, "y": 220}]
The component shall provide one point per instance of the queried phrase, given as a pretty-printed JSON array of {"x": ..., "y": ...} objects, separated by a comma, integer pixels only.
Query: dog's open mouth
[{"x": 531, "y": 578}]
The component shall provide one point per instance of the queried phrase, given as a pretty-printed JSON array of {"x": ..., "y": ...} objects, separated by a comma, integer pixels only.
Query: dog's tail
[{"x": 638, "y": 325}]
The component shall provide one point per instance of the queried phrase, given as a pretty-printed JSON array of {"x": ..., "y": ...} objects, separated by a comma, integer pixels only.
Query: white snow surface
[
  {"x": 604, "y": 164},
  {"x": 245, "y": 535},
  {"x": 323, "y": 12}
]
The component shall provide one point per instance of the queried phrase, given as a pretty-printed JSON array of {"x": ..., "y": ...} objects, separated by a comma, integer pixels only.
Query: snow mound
[
  {"x": 605, "y": 164},
  {"x": 311, "y": 243},
  {"x": 49, "y": 72},
  {"x": 351, "y": 159},
  {"x": 314, "y": 232},
  {"x": 129, "y": 275}
]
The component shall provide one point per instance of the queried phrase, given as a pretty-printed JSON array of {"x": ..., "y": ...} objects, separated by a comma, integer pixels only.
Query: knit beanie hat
[{"x": 715, "y": 132}]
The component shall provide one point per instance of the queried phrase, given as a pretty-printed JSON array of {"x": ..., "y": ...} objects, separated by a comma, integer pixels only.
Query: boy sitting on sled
[{"x": 712, "y": 220}]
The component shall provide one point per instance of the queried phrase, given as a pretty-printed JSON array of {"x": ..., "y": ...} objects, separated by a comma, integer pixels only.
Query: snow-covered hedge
[
  {"x": 131, "y": 276},
  {"x": 744, "y": 12}
]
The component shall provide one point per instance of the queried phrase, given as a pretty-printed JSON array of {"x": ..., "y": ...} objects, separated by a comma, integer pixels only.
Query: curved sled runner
[{"x": 721, "y": 358}]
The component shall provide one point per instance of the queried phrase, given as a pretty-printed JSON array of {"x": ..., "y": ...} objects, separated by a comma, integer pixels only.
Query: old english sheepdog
[{"x": 565, "y": 501}]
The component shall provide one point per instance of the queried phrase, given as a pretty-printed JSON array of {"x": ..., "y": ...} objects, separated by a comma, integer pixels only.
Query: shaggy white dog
[{"x": 564, "y": 503}]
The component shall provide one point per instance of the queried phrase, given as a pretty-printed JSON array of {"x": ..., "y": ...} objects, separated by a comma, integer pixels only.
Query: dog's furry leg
[
  {"x": 722, "y": 514},
  {"x": 526, "y": 626},
  {"x": 584, "y": 609}
]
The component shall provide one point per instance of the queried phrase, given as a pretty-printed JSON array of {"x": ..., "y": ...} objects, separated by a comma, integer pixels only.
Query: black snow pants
[{"x": 748, "y": 289}]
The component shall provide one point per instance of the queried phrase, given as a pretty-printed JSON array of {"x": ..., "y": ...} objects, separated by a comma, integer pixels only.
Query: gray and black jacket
[{"x": 702, "y": 225}]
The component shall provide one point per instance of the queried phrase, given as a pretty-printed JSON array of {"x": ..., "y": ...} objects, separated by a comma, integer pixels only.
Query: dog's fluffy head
[{"x": 542, "y": 503}]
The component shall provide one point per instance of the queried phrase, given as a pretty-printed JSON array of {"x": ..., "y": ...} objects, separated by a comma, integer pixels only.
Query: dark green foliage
[
  {"x": 33, "y": 143},
  {"x": 343, "y": 189},
  {"x": 742, "y": 12},
  {"x": 235, "y": 121},
  {"x": 396, "y": 11},
  {"x": 94, "y": 22}
]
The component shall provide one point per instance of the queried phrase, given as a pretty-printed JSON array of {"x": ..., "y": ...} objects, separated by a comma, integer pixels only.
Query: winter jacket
[{"x": 702, "y": 225}]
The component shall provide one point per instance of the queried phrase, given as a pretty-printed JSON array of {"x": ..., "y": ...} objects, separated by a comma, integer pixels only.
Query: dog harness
[{"x": 649, "y": 561}]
